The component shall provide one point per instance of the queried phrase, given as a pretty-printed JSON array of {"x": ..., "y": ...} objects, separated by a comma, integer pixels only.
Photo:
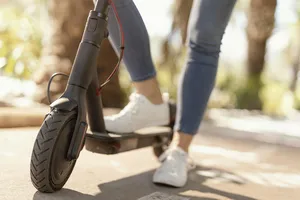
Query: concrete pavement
[{"x": 226, "y": 169}]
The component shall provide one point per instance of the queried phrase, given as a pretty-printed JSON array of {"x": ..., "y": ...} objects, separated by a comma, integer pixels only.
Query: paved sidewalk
[
  {"x": 226, "y": 169},
  {"x": 247, "y": 125}
]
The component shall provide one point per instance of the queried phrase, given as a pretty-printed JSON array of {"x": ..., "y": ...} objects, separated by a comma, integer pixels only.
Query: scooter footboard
[{"x": 104, "y": 143}]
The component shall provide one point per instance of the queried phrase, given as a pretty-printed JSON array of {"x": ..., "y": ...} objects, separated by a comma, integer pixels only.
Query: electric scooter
[{"x": 65, "y": 132}]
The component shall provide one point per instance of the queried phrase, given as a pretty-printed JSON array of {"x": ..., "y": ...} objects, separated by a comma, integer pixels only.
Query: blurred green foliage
[
  {"x": 22, "y": 34},
  {"x": 247, "y": 95},
  {"x": 21, "y": 37}
]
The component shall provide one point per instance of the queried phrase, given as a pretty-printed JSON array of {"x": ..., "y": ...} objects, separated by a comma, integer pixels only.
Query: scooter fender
[{"x": 65, "y": 104}]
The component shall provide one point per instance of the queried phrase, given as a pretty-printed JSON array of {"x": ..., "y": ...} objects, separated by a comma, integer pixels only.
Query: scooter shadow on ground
[{"x": 140, "y": 185}]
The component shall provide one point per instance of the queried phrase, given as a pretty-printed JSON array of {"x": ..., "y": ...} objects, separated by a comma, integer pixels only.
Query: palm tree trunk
[
  {"x": 260, "y": 26},
  {"x": 68, "y": 19},
  {"x": 180, "y": 15}
]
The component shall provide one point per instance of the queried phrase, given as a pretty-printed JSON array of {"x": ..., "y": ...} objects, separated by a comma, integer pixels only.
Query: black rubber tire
[{"x": 57, "y": 125}]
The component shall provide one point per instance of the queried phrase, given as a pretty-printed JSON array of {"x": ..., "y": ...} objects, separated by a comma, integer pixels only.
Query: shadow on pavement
[{"x": 140, "y": 185}]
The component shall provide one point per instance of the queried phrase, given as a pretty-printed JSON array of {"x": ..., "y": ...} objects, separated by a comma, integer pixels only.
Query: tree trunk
[
  {"x": 260, "y": 26},
  {"x": 181, "y": 14},
  {"x": 170, "y": 57},
  {"x": 68, "y": 20}
]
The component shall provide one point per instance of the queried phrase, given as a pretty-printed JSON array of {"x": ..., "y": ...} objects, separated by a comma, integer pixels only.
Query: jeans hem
[
  {"x": 185, "y": 130},
  {"x": 143, "y": 78}
]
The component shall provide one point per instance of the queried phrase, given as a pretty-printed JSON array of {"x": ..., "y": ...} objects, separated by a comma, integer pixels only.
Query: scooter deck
[{"x": 111, "y": 143}]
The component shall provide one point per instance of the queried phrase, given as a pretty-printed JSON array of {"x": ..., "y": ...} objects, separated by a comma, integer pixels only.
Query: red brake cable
[{"x": 121, "y": 48}]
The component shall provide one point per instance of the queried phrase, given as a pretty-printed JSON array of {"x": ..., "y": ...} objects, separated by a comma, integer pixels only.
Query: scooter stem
[{"x": 83, "y": 80}]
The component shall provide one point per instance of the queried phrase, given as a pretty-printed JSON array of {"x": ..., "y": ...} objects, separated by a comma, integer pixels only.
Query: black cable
[{"x": 50, "y": 81}]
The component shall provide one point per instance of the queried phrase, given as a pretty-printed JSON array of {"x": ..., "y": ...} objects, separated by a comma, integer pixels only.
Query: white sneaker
[
  {"x": 139, "y": 113},
  {"x": 174, "y": 168}
]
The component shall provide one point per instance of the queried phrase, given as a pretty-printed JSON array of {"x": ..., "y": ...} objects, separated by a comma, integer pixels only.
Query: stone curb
[
  {"x": 22, "y": 117},
  {"x": 12, "y": 117}
]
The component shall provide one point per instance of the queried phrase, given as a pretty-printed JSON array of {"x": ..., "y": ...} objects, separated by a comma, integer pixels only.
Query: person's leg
[
  {"x": 146, "y": 107},
  {"x": 209, "y": 19},
  {"x": 137, "y": 57}
]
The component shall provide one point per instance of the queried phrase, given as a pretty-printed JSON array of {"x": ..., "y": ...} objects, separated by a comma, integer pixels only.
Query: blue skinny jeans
[{"x": 208, "y": 21}]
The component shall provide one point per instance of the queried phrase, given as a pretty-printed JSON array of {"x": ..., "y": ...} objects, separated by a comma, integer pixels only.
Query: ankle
[
  {"x": 182, "y": 140},
  {"x": 184, "y": 148},
  {"x": 150, "y": 89},
  {"x": 154, "y": 98}
]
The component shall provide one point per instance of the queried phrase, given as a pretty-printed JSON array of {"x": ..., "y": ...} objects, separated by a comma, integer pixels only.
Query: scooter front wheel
[{"x": 49, "y": 167}]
